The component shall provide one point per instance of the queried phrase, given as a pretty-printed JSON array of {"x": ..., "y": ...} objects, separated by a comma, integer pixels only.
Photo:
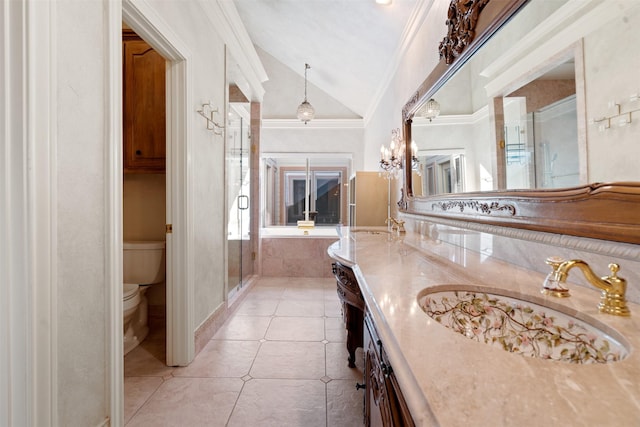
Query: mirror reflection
[
  {"x": 521, "y": 120},
  {"x": 541, "y": 132}
]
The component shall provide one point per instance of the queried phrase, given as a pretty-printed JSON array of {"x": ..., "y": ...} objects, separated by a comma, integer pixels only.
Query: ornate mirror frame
[{"x": 609, "y": 211}]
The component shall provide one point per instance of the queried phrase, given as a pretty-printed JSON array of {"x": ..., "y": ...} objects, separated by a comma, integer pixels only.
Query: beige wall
[
  {"x": 143, "y": 218},
  {"x": 144, "y": 207}
]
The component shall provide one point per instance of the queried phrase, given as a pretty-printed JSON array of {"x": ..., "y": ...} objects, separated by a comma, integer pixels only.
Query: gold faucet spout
[
  {"x": 396, "y": 224},
  {"x": 613, "y": 288}
]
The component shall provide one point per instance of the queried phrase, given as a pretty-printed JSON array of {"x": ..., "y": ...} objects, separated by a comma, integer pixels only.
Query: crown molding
[
  {"x": 225, "y": 19},
  {"x": 453, "y": 119},
  {"x": 565, "y": 27},
  {"x": 313, "y": 124}
]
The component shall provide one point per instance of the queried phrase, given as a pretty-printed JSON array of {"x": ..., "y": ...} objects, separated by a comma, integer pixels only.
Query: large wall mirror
[{"x": 546, "y": 99}]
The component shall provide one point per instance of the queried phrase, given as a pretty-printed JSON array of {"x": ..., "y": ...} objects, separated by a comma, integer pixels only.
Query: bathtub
[
  {"x": 284, "y": 232},
  {"x": 290, "y": 252}
]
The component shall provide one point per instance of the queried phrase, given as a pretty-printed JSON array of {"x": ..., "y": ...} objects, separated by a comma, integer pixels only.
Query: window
[{"x": 287, "y": 181}]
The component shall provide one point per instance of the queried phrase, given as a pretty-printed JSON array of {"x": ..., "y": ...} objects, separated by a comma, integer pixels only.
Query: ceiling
[{"x": 351, "y": 45}]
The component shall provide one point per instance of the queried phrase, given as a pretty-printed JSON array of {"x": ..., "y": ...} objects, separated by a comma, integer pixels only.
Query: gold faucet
[
  {"x": 396, "y": 224},
  {"x": 613, "y": 288}
]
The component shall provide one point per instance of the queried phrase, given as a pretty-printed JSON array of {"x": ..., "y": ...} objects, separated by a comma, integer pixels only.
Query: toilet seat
[
  {"x": 129, "y": 290},
  {"x": 130, "y": 297}
]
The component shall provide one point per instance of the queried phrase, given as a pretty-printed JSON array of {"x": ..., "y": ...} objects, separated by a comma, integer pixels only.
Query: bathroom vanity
[
  {"x": 384, "y": 403},
  {"x": 457, "y": 327},
  {"x": 420, "y": 372}
]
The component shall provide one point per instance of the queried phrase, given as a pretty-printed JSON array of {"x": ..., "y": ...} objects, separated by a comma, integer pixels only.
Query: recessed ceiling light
[{"x": 384, "y": 2}]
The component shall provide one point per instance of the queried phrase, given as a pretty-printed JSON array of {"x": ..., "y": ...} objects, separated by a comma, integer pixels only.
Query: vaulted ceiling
[{"x": 351, "y": 45}]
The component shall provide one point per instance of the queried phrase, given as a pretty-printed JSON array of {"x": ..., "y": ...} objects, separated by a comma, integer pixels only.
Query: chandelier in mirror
[
  {"x": 391, "y": 158},
  {"x": 431, "y": 109},
  {"x": 306, "y": 110}
]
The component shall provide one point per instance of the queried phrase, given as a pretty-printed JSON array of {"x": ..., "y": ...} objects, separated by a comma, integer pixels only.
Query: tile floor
[{"x": 280, "y": 360}]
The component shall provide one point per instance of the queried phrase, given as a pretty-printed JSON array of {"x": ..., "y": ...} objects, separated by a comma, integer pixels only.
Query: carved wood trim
[
  {"x": 608, "y": 211},
  {"x": 475, "y": 205},
  {"x": 462, "y": 18},
  {"x": 347, "y": 286},
  {"x": 409, "y": 106}
]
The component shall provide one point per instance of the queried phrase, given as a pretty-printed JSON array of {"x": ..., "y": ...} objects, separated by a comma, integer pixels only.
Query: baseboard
[{"x": 214, "y": 322}]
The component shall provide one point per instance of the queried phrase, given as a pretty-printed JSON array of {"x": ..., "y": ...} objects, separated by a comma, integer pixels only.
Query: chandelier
[
  {"x": 392, "y": 158},
  {"x": 305, "y": 110},
  {"x": 431, "y": 109}
]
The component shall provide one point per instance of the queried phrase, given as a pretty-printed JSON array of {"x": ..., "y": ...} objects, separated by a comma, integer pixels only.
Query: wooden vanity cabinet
[
  {"x": 384, "y": 404},
  {"x": 352, "y": 308},
  {"x": 144, "y": 106}
]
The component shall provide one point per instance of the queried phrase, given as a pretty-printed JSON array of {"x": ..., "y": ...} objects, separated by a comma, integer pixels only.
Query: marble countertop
[{"x": 450, "y": 380}]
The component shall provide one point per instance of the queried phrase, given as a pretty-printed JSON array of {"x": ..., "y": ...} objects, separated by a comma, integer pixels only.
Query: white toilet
[{"x": 143, "y": 264}]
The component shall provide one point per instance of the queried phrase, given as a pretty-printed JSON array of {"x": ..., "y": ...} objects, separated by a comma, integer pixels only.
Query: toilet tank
[{"x": 143, "y": 262}]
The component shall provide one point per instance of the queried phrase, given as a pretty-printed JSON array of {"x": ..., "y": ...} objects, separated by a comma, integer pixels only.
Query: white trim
[
  {"x": 42, "y": 119},
  {"x": 16, "y": 389},
  {"x": 440, "y": 152},
  {"x": 180, "y": 300},
  {"x": 556, "y": 35},
  {"x": 113, "y": 212},
  {"x": 28, "y": 380},
  {"x": 304, "y": 154},
  {"x": 453, "y": 119},
  {"x": 224, "y": 18},
  {"x": 143, "y": 19},
  {"x": 313, "y": 124},
  {"x": 534, "y": 37}
]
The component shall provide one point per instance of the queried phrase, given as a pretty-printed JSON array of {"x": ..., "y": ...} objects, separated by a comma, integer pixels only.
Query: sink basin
[{"x": 522, "y": 326}]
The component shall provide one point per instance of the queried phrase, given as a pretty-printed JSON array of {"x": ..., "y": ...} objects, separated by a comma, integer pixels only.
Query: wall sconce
[
  {"x": 431, "y": 109},
  {"x": 306, "y": 110},
  {"x": 208, "y": 112}
]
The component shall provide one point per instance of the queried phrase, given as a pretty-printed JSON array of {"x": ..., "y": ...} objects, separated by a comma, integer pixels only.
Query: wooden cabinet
[
  {"x": 352, "y": 308},
  {"x": 384, "y": 404},
  {"x": 144, "y": 106}
]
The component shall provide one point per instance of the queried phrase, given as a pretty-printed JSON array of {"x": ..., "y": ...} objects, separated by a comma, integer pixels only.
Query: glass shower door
[{"x": 240, "y": 259}]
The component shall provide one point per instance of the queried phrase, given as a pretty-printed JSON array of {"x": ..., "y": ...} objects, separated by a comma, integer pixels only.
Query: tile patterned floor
[{"x": 280, "y": 360}]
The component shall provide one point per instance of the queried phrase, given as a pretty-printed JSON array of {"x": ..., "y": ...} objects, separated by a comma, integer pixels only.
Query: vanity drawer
[
  {"x": 384, "y": 403},
  {"x": 347, "y": 286}
]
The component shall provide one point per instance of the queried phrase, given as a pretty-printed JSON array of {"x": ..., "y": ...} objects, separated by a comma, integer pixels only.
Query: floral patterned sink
[{"x": 522, "y": 327}]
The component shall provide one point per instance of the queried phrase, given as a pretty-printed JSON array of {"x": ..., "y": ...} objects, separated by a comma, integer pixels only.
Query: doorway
[
  {"x": 144, "y": 184},
  {"x": 180, "y": 340}
]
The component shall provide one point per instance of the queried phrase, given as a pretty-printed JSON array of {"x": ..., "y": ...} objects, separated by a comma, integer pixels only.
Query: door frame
[{"x": 179, "y": 212}]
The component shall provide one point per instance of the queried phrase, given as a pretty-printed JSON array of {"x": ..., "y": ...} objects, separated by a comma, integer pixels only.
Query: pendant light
[
  {"x": 305, "y": 110},
  {"x": 431, "y": 109}
]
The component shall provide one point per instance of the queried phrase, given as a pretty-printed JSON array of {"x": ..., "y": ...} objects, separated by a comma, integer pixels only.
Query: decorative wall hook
[
  {"x": 208, "y": 112},
  {"x": 616, "y": 116}
]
